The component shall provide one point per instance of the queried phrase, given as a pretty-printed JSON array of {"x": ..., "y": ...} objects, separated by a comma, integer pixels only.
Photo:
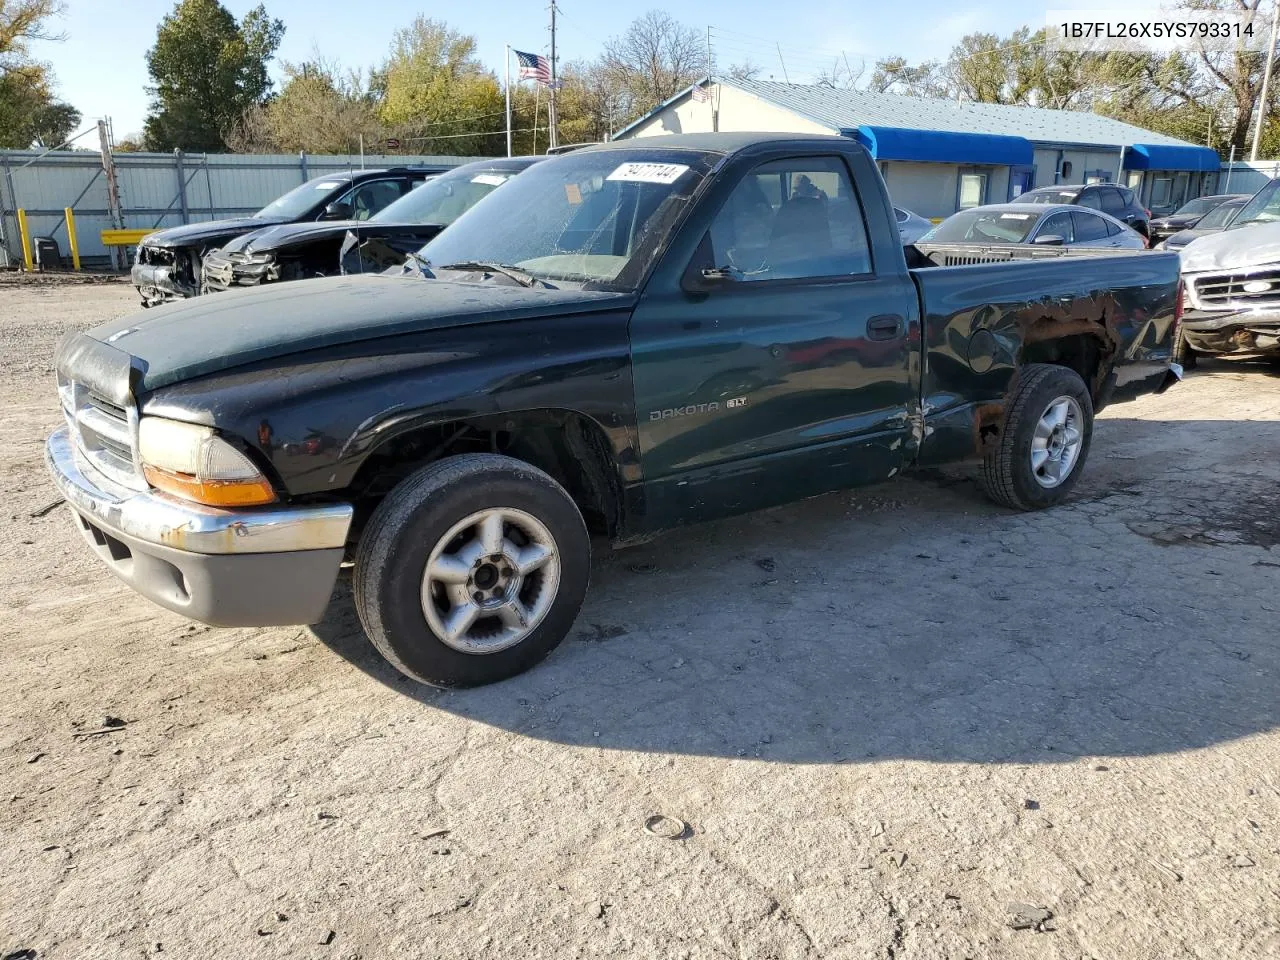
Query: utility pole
[
  {"x": 551, "y": 110},
  {"x": 715, "y": 114},
  {"x": 114, "y": 211},
  {"x": 1266, "y": 81}
]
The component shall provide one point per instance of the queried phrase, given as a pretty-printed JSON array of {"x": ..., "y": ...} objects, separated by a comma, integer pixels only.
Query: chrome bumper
[{"x": 251, "y": 567}]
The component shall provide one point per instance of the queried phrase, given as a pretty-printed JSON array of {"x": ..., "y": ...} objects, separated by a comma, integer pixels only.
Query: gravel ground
[{"x": 885, "y": 718}]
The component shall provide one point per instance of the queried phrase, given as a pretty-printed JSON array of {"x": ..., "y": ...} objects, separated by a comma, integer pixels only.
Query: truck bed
[
  {"x": 981, "y": 319},
  {"x": 924, "y": 255}
]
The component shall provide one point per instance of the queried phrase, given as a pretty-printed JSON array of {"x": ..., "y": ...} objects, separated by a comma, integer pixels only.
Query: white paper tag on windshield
[
  {"x": 649, "y": 172},
  {"x": 1016, "y": 216},
  {"x": 489, "y": 179},
  {"x": 328, "y": 185}
]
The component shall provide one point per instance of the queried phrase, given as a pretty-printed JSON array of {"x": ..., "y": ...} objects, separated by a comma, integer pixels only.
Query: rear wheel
[
  {"x": 1183, "y": 353},
  {"x": 1042, "y": 448},
  {"x": 472, "y": 570}
]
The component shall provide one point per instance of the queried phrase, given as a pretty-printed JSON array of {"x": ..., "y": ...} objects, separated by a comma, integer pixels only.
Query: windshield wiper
[{"x": 515, "y": 273}]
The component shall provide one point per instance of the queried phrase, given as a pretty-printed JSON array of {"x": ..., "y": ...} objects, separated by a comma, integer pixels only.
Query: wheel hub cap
[
  {"x": 490, "y": 580},
  {"x": 1057, "y": 442}
]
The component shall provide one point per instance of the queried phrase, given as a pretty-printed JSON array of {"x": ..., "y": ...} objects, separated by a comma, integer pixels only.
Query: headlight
[{"x": 192, "y": 462}]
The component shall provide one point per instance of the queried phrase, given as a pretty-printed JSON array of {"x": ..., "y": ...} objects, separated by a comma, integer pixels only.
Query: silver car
[
  {"x": 1056, "y": 224},
  {"x": 911, "y": 226}
]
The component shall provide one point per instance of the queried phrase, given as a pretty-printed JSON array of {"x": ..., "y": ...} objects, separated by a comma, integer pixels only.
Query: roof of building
[{"x": 847, "y": 109}]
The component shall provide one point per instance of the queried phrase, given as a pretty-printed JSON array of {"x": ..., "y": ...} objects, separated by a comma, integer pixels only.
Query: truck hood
[
  {"x": 1250, "y": 246},
  {"x": 137, "y": 354},
  {"x": 283, "y": 235},
  {"x": 286, "y": 235},
  {"x": 193, "y": 234}
]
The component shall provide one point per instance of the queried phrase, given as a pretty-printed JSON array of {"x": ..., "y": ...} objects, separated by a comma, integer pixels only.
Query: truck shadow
[{"x": 917, "y": 621}]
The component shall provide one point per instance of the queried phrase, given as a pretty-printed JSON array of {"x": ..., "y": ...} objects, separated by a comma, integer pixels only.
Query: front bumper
[
  {"x": 264, "y": 566},
  {"x": 1244, "y": 332},
  {"x": 156, "y": 283}
]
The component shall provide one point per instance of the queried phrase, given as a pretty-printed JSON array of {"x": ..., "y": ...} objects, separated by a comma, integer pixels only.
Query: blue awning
[
  {"x": 938, "y": 146},
  {"x": 1164, "y": 156}
]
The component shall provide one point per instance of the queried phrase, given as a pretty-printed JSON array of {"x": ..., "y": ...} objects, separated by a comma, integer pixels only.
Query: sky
[{"x": 101, "y": 65}]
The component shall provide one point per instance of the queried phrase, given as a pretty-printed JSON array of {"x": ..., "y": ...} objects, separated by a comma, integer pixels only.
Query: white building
[{"x": 939, "y": 156}]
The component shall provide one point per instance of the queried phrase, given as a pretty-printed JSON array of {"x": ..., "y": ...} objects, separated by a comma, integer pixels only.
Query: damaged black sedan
[
  {"x": 296, "y": 251},
  {"x": 169, "y": 263}
]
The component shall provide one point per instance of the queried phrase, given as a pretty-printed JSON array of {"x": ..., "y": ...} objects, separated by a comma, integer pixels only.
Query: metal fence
[
  {"x": 156, "y": 189},
  {"x": 1245, "y": 176}
]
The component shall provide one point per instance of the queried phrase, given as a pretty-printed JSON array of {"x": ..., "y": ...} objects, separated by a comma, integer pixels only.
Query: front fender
[{"x": 316, "y": 417}]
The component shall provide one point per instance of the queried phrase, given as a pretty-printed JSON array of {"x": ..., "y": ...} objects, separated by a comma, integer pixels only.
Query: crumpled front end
[
  {"x": 164, "y": 274},
  {"x": 224, "y": 270},
  {"x": 1234, "y": 312}
]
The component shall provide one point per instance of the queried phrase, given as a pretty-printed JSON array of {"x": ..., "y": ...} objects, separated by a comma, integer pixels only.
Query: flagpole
[{"x": 507, "y": 67}]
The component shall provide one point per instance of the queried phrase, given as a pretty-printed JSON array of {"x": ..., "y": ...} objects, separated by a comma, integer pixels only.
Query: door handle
[{"x": 888, "y": 327}]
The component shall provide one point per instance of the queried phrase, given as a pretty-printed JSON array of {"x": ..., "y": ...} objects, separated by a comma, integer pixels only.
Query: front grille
[
  {"x": 103, "y": 432},
  {"x": 1232, "y": 290}
]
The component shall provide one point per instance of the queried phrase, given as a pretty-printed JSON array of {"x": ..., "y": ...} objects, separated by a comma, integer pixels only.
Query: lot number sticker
[
  {"x": 489, "y": 179},
  {"x": 649, "y": 172}
]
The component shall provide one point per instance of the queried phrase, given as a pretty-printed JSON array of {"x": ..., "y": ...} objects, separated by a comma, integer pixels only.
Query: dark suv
[
  {"x": 1107, "y": 197},
  {"x": 168, "y": 264}
]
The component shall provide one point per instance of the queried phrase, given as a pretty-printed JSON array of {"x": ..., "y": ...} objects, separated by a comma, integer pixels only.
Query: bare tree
[{"x": 656, "y": 58}]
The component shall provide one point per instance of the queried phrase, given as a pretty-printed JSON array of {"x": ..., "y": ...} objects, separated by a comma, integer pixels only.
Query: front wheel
[
  {"x": 1045, "y": 440},
  {"x": 471, "y": 570}
]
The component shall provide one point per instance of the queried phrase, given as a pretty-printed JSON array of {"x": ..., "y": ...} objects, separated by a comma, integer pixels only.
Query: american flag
[
  {"x": 534, "y": 67},
  {"x": 701, "y": 93}
]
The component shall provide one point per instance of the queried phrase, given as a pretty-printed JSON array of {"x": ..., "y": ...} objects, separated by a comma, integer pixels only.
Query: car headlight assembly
[{"x": 192, "y": 462}]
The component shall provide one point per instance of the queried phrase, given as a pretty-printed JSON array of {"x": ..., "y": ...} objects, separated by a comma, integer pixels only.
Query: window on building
[
  {"x": 973, "y": 190},
  {"x": 1135, "y": 180},
  {"x": 792, "y": 219},
  {"x": 1161, "y": 191}
]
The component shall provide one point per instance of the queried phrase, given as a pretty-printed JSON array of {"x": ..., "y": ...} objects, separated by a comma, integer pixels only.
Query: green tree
[
  {"x": 320, "y": 109},
  {"x": 436, "y": 94},
  {"x": 30, "y": 112},
  {"x": 206, "y": 71}
]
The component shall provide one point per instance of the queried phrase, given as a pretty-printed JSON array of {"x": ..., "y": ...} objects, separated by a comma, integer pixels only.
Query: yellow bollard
[
  {"x": 26, "y": 240},
  {"x": 71, "y": 237}
]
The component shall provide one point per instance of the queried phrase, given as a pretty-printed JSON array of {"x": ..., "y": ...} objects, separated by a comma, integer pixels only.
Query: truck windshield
[
  {"x": 1197, "y": 207},
  {"x": 984, "y": 226},
  {"x": 301, "y": 199},
  {"x": 446, "y": 198},
  {"x": 1219, "y": 216},
  {"x": 1263, "y": 208},
  {"x": 594, "y": 216}
]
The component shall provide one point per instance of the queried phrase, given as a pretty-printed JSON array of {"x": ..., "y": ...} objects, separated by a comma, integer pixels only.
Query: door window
[
  {"x": 1112, "y": 201},
  {"x": 973, "y": 190},
  {"x": 1089, "y": 198},
  {"x": 1113, "y": 229},
  {"x": 369, "y": 198},
  {"x": 1088, "y": 227},
  {"x": 792, "y": 219},
  {"x": 1059, "y": 224}
]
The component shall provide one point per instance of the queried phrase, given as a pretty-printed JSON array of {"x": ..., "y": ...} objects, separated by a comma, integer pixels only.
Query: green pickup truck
[{"x": 627, "y": 338}]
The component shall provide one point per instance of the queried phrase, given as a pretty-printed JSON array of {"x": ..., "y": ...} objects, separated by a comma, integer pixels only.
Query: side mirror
[
  {"x": 1050, "y": 240},
  {"x": 337, "y": 211}
]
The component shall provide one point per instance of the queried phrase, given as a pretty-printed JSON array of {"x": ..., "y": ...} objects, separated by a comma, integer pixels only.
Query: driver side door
[{"x": 789, "y": 372}]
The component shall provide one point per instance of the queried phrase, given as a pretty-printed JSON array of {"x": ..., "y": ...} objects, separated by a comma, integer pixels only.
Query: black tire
[
  {"x": 406, "y": 527},
  {"x": 1007, "y": 474},
  {"x": 1183, "y": 353}
]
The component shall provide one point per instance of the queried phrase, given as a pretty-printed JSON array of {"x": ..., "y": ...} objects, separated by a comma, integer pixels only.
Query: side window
[
  {"x": 1089, "y": 198},
  {"x": 369, "y": 198},
  {"x": 1059, "y": 224},
  {"x": 1088, "y": 227},
  {"x": 900, "y": 215},
  {"x": 1113, "y": 229},
  {"x": 1112, "y": 202},
  {"x": 792, "y": 219}
]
